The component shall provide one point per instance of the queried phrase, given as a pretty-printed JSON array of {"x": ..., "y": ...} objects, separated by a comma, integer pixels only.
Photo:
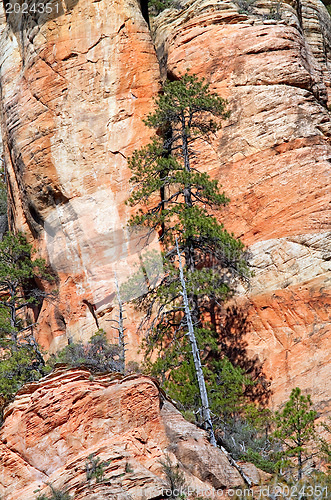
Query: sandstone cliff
[
  {"x": 273, "y": 157},
  {"x": 74, "y": 87},
  {"x": 54, "y": 425}
]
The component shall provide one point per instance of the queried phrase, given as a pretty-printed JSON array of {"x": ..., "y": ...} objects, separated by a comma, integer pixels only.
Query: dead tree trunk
[
  {"x": 121, "y": 328},
  {"x": 196, "y": 357},
  {"x": 119, "y": 322},
  {"x": 200, "y": 375}
]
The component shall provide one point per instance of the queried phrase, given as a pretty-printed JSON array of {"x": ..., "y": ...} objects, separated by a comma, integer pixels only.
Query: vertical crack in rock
[{"x": 144, "y": 10}]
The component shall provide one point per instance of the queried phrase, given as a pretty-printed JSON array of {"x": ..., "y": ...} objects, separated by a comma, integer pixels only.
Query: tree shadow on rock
[{"x": 233, "y": 326}]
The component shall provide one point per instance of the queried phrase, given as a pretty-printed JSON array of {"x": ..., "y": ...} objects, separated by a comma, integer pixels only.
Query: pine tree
[
  {"x": 20, "y": 358},
  {"x": 179, "y": 200},
  {"x": 296, "y": 429}
]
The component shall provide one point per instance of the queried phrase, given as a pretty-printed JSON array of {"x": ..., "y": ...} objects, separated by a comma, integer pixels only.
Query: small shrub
[
  {"x": 175, "y": 478},
  {"x": 97, "y": 355},
  {"x": 274, "y": 12},
  {"x": 316, "y": 486},
  {"x": 95, "y": 469},
  {"x": 260, "y": 461},
  {"x": 55, "y": 495},
  {"x": 245, "y": 6},
  {"x": 128, "y": 468},
  {"x": 20, "y": 358},
  {"x": 18, "y": 366},
  {"x": 157, "y": 6},
  {"x": 132, "y": 367},
  {"x": 325, "y": 445},
  {"x": 246, "y": 438}
]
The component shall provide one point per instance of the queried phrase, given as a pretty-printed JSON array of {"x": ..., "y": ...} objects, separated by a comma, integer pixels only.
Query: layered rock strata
[
  {"x": 273, "y": 158},
  {"x": 75, "y": 85},
  {"x": 54, "y": 426}
]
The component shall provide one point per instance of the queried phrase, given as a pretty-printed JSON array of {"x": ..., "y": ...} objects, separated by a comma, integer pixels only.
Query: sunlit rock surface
[
  {"x": 273, "y": 158},
  {"x": 75, "y": 86},
  {"x": 53, "y": 426}
]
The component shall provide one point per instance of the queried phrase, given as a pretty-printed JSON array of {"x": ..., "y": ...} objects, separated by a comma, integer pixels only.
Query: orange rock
[
  {"x": 53, "y": 426},
  {"x": 75, "y": 87},
  {"x": 272, "y": 158}
]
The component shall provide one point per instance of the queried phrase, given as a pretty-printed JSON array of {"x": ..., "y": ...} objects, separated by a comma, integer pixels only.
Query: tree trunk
[
  {"x": 299, "y": 466},
  {"x": 299, "y": 460},
  {"x": 121, "y": 342},
  {"x": 13, "y": 321},
  {"x": 196, "y": 358},
  {"x": 167, "y": 143},
  {"x": 200, "y": 376},
  {"x": 189, "y": 247}
]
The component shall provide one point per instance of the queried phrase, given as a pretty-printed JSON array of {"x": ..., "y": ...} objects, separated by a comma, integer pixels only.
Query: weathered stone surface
[
  {"x": 74, "y": 89},
  {"x": 289, "y": 305},
  {"x": 273, "y": 159},
  {"x": 290, "y": 332},
  {"x": 54, "y": 425},
  {"x": 315, "y": 23},
  {"x": 288, "y": 261}
]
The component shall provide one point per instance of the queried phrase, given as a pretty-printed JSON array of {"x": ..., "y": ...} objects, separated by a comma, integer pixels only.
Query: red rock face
[
  {"x": 75, "y": 87},
  {"x": 273, "y": 159},
  {"x": 55, "y": 425}
]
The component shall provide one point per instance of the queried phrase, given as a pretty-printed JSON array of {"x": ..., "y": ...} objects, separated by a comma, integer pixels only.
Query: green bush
[
  {"x": 55, "y": 495},
  {"x": 246, "y": 6},
  {"x": 20, "y": 358},
  {"x": 225, "y": 383},
  {"x": 95, "y": 469},
  {"x": 262, "y": 462},
  {"x": 157, "y": 6},
  {"x": 245, "y": 441},
  {"x": 97, "y": 355},
  {"x": 18, "y": 367},
  {"x": 174, "y": 477}
]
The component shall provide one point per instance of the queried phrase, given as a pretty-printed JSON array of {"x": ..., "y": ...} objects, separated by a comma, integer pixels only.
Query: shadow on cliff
[
  {"x": 38, "y": 12},
  {"x": 232, "y": 326}
]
